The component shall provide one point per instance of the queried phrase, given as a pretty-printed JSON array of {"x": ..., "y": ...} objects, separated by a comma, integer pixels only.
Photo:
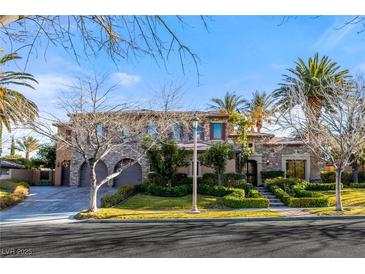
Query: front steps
[{"x": 274, "y": 202}]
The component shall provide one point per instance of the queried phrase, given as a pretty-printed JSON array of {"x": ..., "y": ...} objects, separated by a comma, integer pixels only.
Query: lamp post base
[{"x": 194, "y": 211}]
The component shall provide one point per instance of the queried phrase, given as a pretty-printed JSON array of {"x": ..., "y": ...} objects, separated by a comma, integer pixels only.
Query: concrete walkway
[{"x": 53, "y": 204}]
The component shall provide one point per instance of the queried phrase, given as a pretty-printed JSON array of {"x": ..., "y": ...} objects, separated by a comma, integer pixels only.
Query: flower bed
[{"x": 12, "y": 193}]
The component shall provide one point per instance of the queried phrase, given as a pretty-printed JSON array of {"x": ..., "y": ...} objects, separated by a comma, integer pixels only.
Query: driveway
[{"x": 50, "y": 204}]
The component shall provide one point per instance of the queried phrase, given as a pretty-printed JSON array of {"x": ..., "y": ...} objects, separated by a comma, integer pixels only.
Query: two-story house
[{"x": 270, "y": 153}]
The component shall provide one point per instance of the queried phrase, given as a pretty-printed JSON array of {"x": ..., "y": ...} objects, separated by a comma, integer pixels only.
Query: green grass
[
  {"x": 149, "y": 202},
  {"x": 126, "y": 214},
  {"x": 350, "y": 196},
  {"x": 332, "y": 211}
]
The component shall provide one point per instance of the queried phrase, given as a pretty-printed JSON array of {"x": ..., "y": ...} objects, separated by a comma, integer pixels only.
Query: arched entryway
[
  {"x": 132, "y": 175},
  {"x": 65, "y": 173},
  {"x": 101, "y": 173}
]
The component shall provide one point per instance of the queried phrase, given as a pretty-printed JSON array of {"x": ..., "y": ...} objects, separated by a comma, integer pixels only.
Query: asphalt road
[{"x": 248, "y": 239}]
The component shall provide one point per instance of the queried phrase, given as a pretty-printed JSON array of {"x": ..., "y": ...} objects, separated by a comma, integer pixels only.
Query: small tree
[
  {"x": 98, "y": 128},
  {"x": 338, "y": 133},
  {"x": 46, "y": 155},
  {"x": 241, "y": 124},
  {"x": 165, "y": 158},
  {"x": 216, "y": 157}
]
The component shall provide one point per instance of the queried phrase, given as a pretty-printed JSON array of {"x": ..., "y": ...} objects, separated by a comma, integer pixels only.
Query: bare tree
[
  {"x": 97, "y": 128},
  {"x": 338, "y": 134},
  {"x": 168, "y": 96},
  {"x": 119, "y": 36}
]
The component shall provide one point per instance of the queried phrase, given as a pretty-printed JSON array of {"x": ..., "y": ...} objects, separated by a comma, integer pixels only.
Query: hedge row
[
  {"x": 346, "y": 177},
  {"x": 123, "y": 193},
  {"x": 358, "y": 185},
  {"x": 299, "y": 188},
  {"x": 245, "y": 197},
  {"x": 17, "y": 191},
  {"x": 271, "y": 174},
  {"x": 321, "y": 186}
]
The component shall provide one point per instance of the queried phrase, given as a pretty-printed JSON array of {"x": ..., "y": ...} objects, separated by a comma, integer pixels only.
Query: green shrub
[
  {"x": 308, "y": 202},
  {"x": 218, "y": 191},
  {"x": 357, "y": 185},
  {"x": 279, "y": 193},
  {"x": 271, "y": 174},
  {"x": 210, "y": 179},
  {"x": 155, "y": 178},
  {"x": 284, "y": 183},
  {"x": 181, "y": 179},
  {"x": 328, "y": 177},
  {"x": 300, "y": 191},
  {"x": 361, "y": 177},
  {"x": 346, "y": 178},
  {"x": 44, "y": 183},
  {"x": 123, "y": 192},
  {"x": 166, "y": 191},
  {"x": 237, "y": 200},
  {"x": 321, "y": 186},
  {"x": 233, "y": 179}
]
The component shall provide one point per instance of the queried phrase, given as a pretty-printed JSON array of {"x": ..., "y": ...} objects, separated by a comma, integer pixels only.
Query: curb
[{"x": 232, "y": 220}]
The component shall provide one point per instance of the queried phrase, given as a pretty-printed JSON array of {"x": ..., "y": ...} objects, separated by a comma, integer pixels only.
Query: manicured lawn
[
  {"x": 350, "y": 196},
  {"x": 149, "y": 202},
  {"x": 332, "y": 211},
  {"x": 126, "y": 214}
]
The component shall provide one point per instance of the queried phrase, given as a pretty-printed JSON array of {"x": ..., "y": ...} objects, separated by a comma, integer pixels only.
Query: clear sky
[{"x": 238, "y": 53}]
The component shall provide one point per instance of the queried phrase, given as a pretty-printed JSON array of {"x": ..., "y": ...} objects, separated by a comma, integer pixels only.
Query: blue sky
[{"x": 238, "y": 53}]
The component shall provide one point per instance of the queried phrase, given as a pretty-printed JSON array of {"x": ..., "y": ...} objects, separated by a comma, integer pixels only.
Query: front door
[{"x": 251, "y": 171}]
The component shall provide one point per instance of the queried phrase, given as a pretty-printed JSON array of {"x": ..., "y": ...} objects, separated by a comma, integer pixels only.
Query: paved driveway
[{"x": 50, "y": 204}]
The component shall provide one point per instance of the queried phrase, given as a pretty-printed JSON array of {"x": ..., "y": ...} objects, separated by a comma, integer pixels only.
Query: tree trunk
[
  {"x": 27, "y": 155},
  {"x": 355, "y": 172},
  {"x": 338, "y": 190},
  {"x": 93, "y": 199},
  {"x": 93, "y": 188},
  {"x": 219, "y": 179}
]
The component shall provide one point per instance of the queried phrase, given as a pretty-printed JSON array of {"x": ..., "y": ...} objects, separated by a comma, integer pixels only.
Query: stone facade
[{"x": 270, "y": 153}]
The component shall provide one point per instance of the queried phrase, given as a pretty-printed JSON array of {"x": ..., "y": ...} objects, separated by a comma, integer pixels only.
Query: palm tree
[
  {"x": 15, "y": 108},
  {"x": 315, "y": 77},
  {"x": 230, "y": 103},
  {"x": 259, "y": 109},
  {"x": 28, "y": 145}
]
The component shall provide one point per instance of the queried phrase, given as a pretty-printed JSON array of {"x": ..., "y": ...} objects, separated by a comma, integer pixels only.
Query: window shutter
[
  {"x": 211, "y": 130},
  {"x": 223, "y": 131}
]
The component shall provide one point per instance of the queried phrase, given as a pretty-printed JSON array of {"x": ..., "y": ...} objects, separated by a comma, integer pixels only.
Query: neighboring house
[
  {"x": 6, "y": 166},
  {"x": 271, "y": 153}
]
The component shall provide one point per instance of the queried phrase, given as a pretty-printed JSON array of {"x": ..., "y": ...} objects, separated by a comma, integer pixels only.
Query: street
[{"x": 218, "y": 239}]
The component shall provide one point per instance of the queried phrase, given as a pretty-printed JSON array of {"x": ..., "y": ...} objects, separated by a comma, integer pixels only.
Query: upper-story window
[
  {"x": 125, "y": 134},
  {"x": 200, "y": 132},
  {"x": 217, "y": 131},
  {"x": 152, "y": 130},
  {"x": 177, "y": 132},
  {"x": 99, "y": 132}
]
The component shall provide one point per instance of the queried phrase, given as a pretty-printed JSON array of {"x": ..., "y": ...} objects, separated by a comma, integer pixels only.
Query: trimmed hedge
[
  {"x": 18, "y": 191},
  {"x": 123, "y": 193},
  {"x": 245, "y": 197},
  {"x": 321, "y": 186},
  {"x": 299, "y": 188},
  {"x": 271, "y": 174},
  {"x": 228, "y": 179},
  {"x": 346, "y": 177},
  {"x": 358, "y": 185}
]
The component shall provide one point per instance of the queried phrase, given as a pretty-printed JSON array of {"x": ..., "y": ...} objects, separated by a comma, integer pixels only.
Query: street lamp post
[{"x": 195, "y": 166}]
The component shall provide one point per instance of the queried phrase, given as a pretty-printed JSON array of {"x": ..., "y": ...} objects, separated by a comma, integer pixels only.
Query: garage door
[
  {"x": 101, "y": 173},
  {"x": 132, "y": 175}
]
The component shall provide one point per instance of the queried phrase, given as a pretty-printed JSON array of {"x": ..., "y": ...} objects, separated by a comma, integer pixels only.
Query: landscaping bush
[
  {"x": 165, "y": 191},
  {"x": 210, "y": 179},
  {"x": 218, "y": 191},
  {"x": 16, "y": 192},
  {"x": 362, "y": 177},
  {"x": 237, "y": 199},
  {"x": 321, "y": 186},
  {"x": 234, "y": 179},
  {"x": 155, "y": 178},
  {"x": 308, "y": 202},
  {"x": 181, "y": 179},
  {"x": 271, "y": 174},
  {"x": 123, "y": 193},
  {"x": 357, "y": 185},
  {"x": 279, "y": 193},
  {"x": 284, "y": 183},
  {"x": 328, "y": 177},
  {"x": 300, "y": 191},
  {"x": 44, "y": 183}
]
